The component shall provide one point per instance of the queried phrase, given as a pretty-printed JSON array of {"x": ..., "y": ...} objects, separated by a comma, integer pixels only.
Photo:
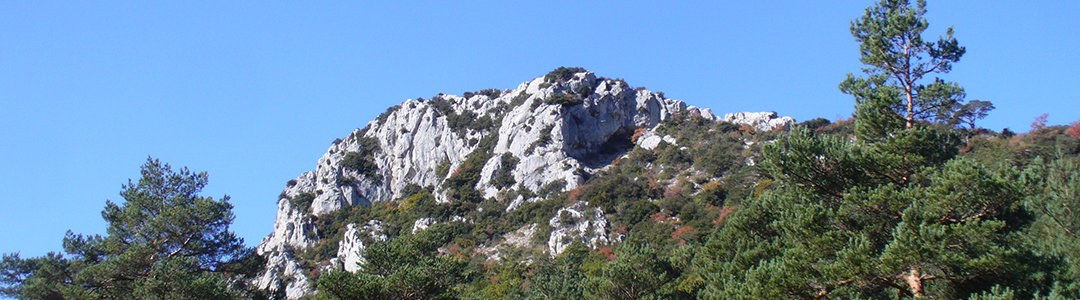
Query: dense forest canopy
[{"x": 907, "y": 199}]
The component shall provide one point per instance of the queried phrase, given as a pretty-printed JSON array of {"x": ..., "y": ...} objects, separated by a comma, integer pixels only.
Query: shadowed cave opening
[{"x": 617, "y": 144}]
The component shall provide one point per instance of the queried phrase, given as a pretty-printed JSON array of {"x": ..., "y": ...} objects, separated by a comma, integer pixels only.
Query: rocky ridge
[{"x": 548, "y": 133}]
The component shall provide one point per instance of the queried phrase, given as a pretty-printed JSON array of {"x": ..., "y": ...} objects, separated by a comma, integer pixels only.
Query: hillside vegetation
[{"x": 574, "y": 186}]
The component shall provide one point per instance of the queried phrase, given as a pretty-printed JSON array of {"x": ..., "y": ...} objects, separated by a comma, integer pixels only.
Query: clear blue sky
[{"x": 254, "y": 92}]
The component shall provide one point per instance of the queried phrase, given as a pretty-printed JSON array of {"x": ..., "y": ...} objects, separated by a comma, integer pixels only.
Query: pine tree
[
  {"x": 639, "y": 271},
  {"x": 891, "y": 214},
  {"x": 1055, "y": 200},
  {"x": 406, "y": 267},
  {"x": 164, "y": 242},
  {"x": 897, "y": 59}
]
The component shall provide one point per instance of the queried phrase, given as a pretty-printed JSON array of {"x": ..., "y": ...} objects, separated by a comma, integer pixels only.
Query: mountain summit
[{"x": 513, "y": 147}]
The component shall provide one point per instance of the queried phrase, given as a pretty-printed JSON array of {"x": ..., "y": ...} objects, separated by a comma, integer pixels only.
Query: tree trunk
[
  {"x": 910, "y": 108},
  {"x": 914, "y": 281}
]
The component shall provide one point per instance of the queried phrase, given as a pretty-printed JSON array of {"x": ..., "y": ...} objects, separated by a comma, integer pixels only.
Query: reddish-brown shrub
[
  {"x": 673, "y": 192},
  {"x": 682, "y": 231},
  {"x": 637, "y": 134},
  {"x": 608, "y": 252},
  {"x": 1040, "y": 123},
  {"x": 724, "y": 212}
]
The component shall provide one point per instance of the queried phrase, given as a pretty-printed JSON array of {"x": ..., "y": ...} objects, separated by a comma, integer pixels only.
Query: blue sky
[{"x": 255, "y": 92}]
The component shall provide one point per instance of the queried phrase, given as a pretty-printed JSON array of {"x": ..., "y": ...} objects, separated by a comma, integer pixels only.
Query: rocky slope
[{"x": 550, "y": 133}]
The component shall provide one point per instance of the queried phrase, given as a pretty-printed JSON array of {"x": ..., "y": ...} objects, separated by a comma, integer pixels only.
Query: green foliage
[
  {"x": 892, "y": 214},
  {"x": 638, "y": 271},
  {"x": 821, "y": 214},
  {"x": 441, "y": 105},
  {"x": 302, "y": 202},
  {"x": 460, "y": 122},
  {"x": 563, "y": 99},
  {"x": 466, "y": 120},
  {"x": 897, "y": 57},
  {"x": 892, "y": 203},
  {"x": 617, "y": 193},
  {"x": 462, "y": 182},
  {"x": 584, "y": 91},
  {"x": 560, "y": 278},
  {"x": 519, "y": 99},
  {"x": 551, "y": 188},
  {"x": 363, "y": 161},
  {"x": 543, "y": 140},
  {"x": 969, "y": 112},
  {"x": 381, "y": 119},
  {"x": 504, "y": 176},
  {"x": 345, "y": 181},
  {"x": 1054, "y": 199},
  {"x": 406, "y": 267},
  {"x": 953, "y": 223},
  {"x": 164, "y": 242},
  {"x": 491, "y": 93},
  {"x": 443, "y": 168},
  {"x": 563, "y": 74},
  {"x": 815, "y": 124}
]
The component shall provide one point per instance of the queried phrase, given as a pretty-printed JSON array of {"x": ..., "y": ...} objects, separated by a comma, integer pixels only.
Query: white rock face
[
  {"x": 421, "y": 224},
  {"x": 554, "y": 144},
  {"x": 577, "y": 223},
  {"x": 282, "y": 266},
  {"x": 650, "y": 140},
  {"x": 351, "y": 249},
  {"x": 521, "y": 237},
  {"x": 760, "y": 121}
]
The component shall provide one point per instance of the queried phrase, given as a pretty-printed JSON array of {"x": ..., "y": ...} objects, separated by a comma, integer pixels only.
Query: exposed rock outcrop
[
  {"x": 577, "y": 223},
  {"x": 761, "y": 121},
  {"x": 543, "y": 134}
]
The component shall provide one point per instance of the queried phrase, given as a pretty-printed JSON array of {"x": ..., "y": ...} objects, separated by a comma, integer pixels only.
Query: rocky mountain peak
[{"x": 548, "y": 134}]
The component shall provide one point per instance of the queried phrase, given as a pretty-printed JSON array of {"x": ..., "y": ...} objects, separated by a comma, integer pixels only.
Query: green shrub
[
  {"x": 461, "y": 183},
  {"x": 551, "y": 187},
  {"x": 535, "y": 212},
  {"x": 365, "y": 165},
  {"x": 385, "y": 115},
  {"x": 459, "y": 123},
  {"x": 302, "y": 202},
  {"x": 562, "y": 74},
  {"x": 584, "y": 91},
  {"x": 491, "y": 93},
  {"x": 346, "y": 181},
  {"x": 814, "y": 124},
  {"x": 504, "y": 177},
  {"x": 614, "y": 192},
  {"x": 483, "y": 123},
  {"x": 363, "y": 161},
  {"x": 563, "y": 99},
  {"x": 467, "y": 120},
  {"x": 543, "y": 140},
  {"x": 519, "y": 99},
  {"x": 443, "y": 169},
  {"x": 441, "y": 105}
]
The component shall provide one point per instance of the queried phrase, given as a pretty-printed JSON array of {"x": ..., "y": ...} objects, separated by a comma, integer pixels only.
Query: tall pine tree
[
  {"x": 890, "y": 214},
  {"x": 164, "y": 242}
]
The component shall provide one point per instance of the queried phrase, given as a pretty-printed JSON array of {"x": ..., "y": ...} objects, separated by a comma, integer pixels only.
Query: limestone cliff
[{"x": 548, "y": 133}]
